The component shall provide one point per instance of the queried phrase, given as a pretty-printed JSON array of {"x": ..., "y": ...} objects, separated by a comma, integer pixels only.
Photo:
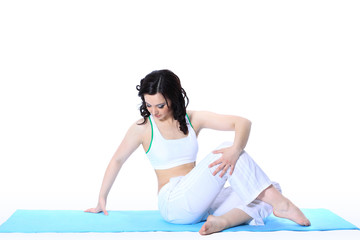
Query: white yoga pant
[{"x": 192, "y": 198}]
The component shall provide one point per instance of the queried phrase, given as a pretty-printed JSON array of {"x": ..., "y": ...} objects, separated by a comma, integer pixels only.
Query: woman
[{"x": 188, "y": 193}]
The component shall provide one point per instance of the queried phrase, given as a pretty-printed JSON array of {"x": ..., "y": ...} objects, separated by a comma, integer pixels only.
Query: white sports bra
[{"x": 168, "y": 153}]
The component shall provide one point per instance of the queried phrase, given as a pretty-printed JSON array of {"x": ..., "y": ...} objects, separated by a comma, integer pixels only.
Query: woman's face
[{"x": 157, "y": 107}]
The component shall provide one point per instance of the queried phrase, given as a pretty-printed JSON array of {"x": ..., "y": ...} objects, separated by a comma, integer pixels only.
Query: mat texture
[{"x": 66, "y": 221}]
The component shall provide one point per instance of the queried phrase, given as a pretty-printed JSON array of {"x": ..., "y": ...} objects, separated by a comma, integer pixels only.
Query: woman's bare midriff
[{"x": 164, "y": 175}]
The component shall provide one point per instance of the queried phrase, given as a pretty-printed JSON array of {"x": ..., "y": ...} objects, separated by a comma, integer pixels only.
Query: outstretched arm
[
  {"x": 130, "y": 143},
  {"x": 241, "y": 126}
]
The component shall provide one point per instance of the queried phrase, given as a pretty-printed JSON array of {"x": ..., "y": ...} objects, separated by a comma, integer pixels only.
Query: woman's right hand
[{"x": 101, "y": 207}]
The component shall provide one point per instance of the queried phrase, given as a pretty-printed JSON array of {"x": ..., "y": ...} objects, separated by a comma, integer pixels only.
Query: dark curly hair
[{"x": 168, "y": 84}]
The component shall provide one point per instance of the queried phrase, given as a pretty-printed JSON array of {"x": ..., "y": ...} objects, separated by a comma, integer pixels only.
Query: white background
[{"x": 68, "y": 72}]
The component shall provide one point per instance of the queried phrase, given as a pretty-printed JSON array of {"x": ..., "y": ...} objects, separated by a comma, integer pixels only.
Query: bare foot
[
  {"x": 213, "y": 224},
  {"x": 289, "y": 211}
]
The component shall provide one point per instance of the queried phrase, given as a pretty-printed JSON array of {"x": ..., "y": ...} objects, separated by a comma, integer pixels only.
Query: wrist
[
  {"x": 237, "y": 149},
  {"x": 102, "y": 199}
]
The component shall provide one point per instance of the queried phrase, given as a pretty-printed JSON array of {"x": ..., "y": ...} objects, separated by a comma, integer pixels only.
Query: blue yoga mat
[{"x": 61, "y": 221}]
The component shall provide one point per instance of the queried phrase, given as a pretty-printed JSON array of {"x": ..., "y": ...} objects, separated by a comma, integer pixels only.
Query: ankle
[
  {"x": 282, "y": 205},
  {"x": 223, "y": 222}
]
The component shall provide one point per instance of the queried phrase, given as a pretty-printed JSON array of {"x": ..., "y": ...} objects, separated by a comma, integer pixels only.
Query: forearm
[
  {"x": 242, "y": 132},
  {"x": 109, "y": 178},
  {"x": 241, "y": 127}
]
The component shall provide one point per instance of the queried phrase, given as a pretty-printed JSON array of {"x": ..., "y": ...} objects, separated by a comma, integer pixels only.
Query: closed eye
[{"x": 161, "y": 105}]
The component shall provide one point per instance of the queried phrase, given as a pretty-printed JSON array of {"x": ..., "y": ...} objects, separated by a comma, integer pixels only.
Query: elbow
[
  {"x": 118, "y": 161},
  {"x": 244, "y": 123},
  {"x": 248, "y": 124},
  {"x": 121, "y": 161}
]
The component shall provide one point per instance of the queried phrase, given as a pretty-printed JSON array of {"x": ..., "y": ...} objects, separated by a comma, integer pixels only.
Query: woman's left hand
[{"x": 229, "y": 157}]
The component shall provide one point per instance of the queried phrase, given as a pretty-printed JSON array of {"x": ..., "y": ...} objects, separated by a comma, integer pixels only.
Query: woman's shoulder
[
  {"x": 191, "y": 113},
  {"x": 195, "y": 115},
  {"x": 193, "y": 118},
  {"x": 142, "y": 124},
  {"x": 200, "y": 119},
  {"x": 139, "y": 126},
  {"x": 138, "y": 129}
]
